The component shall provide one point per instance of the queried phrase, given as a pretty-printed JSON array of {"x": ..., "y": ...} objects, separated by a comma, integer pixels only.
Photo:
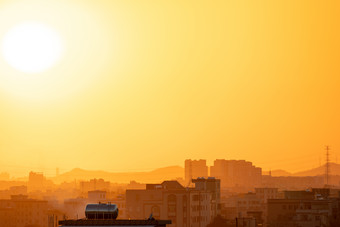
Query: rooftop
[
  {"x": 122, "y": 222},
  {"x": 169, "y": 185}
]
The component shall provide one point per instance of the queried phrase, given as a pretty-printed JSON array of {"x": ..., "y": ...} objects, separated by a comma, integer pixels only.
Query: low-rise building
[
  {"x": 303, "y": 209},
  {"x": 21, "y": 211},
  {"x": 185, "y": 207},
  {"x": 246, "y": 205}
]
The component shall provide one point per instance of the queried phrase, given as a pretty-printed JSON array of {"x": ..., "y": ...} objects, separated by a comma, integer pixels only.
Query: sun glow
[
  {"x": 31, "y": 47},
  {"x": 43, "y": 55}
]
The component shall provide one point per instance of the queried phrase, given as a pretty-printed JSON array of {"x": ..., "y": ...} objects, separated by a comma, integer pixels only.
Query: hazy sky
[{"x": 147, "y": 84}]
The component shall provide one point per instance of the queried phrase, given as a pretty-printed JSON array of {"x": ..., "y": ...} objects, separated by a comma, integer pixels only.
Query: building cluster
[
  {"x": 20, "y": 211},
  {"x": 93, "y": 184},
  {"x": 185, "y": 207},
  {"x": 229, "y": 193},
  {"x": 234, "y": 174},
  {"x": 315, "y": 207}
]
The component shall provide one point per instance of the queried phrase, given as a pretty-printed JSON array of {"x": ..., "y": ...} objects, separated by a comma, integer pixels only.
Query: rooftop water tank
[{"x": 101, "y": 211}]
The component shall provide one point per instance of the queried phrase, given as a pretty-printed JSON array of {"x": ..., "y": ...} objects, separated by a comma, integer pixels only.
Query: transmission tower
[{"x": 327, "y": 169}]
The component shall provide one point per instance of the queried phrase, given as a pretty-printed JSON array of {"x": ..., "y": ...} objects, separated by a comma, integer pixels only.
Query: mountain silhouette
[
  {"x": 154, "y": 176},
  {"x": 169, "y": 173},
  {"x": 334, "y": 170}
]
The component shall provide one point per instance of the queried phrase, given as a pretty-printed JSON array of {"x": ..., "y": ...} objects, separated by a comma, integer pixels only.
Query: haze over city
[
  {"x": 138, "y": 86},
  {"x": 169, "y": 113}
]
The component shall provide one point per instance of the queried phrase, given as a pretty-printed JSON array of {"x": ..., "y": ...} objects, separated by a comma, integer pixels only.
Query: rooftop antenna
[
  {"x": 327, "y": 165},
  {"x": 151, "y": 217}
]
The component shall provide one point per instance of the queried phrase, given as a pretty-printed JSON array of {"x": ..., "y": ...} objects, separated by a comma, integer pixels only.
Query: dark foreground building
[
  {"x": 104, "y": 215},
  {"x": 115, "y": 223}
]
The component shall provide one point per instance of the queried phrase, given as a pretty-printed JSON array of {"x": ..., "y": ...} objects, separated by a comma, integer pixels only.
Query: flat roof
[{"x": 116, "y": 223}]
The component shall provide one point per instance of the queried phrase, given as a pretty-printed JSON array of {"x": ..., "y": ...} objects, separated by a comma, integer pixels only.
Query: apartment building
[
  {"x": 236, "y": 174},
  {"x": 185, "y": 207},
  {"x": 195, "y": 169}
]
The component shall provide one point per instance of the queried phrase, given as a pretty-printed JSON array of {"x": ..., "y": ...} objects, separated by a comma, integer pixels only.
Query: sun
[{"x": 32, "y": 47}]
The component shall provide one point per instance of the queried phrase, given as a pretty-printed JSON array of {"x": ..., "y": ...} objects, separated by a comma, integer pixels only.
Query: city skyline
[
  {"x": 201, "y": 168},
  {"x": 21, "y": 171},
  {"x": 173, "y": 113},
  {"x": 233, "y": 190}
]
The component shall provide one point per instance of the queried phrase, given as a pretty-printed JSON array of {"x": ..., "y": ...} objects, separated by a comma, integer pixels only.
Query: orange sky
[{"x": 146, "y": 84}]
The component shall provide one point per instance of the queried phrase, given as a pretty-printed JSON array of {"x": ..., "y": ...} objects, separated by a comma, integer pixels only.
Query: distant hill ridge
[
  {"x": 334, "y": 170},
  {"x": 154, "y": 176},
  {"x": 169, "y": 173}
]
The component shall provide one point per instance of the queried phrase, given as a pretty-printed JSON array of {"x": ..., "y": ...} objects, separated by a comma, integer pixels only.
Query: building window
[
  {"x": 172, "y": 208},
  {"x": 171, "y": 198},
  {"x": 156, "y": 212}
]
